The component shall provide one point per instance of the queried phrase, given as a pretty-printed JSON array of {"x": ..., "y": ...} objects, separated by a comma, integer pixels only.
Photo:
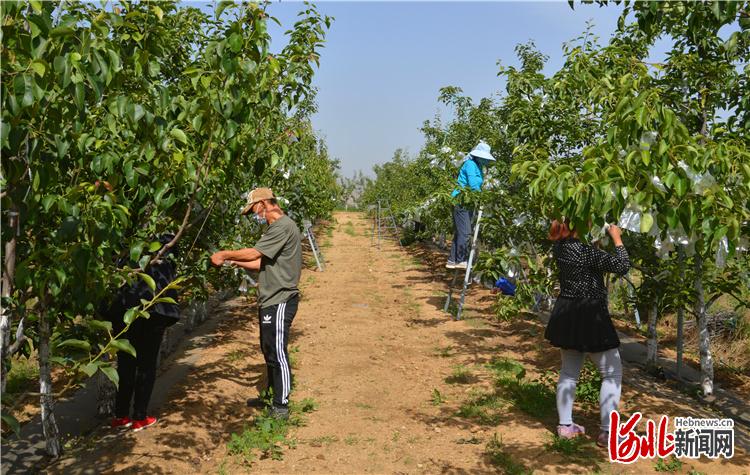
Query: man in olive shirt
[{"x": 278, "y": 257}]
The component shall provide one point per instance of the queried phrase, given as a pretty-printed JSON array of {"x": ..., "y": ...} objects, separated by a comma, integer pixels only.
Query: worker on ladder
[{"x": 470, "y": 176}]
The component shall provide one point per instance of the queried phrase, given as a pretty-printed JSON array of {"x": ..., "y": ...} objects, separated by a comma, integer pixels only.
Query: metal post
[
  {"x": 378, "y": 224},
  {"x": 394, "y": 225},
  {"x": 467, "y": 276},
  {"x": 314, "y": 250}
]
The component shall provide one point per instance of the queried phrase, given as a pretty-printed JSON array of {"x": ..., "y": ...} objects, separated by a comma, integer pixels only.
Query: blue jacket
[{"x": 470, "y": 176}]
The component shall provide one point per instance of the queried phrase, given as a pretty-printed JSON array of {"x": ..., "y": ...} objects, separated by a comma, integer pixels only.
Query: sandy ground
[{"x": 373, "y": 344}]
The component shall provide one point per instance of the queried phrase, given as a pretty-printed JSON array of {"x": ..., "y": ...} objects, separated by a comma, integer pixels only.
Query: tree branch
[{"x": 20, "y": 339}]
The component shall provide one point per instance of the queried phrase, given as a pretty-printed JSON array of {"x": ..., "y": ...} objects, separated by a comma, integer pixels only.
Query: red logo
[{"x": 626, "y": 446}]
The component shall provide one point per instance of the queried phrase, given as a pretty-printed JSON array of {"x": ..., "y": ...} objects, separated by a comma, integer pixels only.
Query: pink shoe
[{"x": 570, "y": 432}]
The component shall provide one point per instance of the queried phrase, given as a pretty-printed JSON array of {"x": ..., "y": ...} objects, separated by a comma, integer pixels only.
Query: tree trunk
[
  {"x": 106, "y": 392},
  {"x": 49, "y": 426},
  {"x": 680, "y": 316},
  {"x": 9, "y": 271},
  {"x": 652, "y": 357},
  {"x": 704, "y": 338}
]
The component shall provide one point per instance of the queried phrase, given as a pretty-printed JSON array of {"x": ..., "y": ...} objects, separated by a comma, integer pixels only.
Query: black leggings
[{"x": 138, "y": 374}]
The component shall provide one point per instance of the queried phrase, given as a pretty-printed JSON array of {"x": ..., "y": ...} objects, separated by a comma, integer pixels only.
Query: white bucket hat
[{"x": 482, "y": 150}]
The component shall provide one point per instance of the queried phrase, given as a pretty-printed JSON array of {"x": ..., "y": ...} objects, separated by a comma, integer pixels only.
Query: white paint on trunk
[
  {"x": 704, "y": 337},
  {"x": 49, "y": 426}
]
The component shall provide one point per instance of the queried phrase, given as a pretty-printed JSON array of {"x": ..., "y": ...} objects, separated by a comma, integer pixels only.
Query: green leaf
[
  {"x": 61, "y": 31},
  {"x": 80, "y": 97},
  {"x": 646, "y": 157},
  {"x": 36, "y": 5},
  {"x": 48, "y": 201},
  {"x": 222, "y": 6},
  {"x": 11, "y": 422},
  {"x": 158, "y": 12},
  {"x": 38, "y": 67},
  {"x": 646, "y": 222},
  {"x": 89, "y": 368},
  {"x": 123, "y": 345},
  {"x": 148, "y": 280},
  {"x": 111, "y": 373},
  {"x": 235, "y": 42},
  {"x": 100, "y": 325},
  {"x": 80, "y": 344},
  {"x": 154, "y": 246},
  {"x": 179, "y": 135},
  {"x": 130, "y": 315},
  {"x": 135, "y": 251},
  {"x": 680, "y": 186},
  {"x": 24, "y": 83}
]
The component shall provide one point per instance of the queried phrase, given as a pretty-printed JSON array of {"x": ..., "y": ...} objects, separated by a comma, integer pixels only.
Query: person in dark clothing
[
  {"x": 137, "y": 374},
  {"x": 580, "y": 323}
]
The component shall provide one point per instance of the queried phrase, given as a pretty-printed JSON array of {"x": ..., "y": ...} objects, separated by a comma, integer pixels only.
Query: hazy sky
[{"x": 384, "y": 63}]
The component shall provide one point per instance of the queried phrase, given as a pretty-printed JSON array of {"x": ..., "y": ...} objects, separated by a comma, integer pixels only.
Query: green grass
[
  {"x": 443, "y": 351},
  {"x": 485, "y": 408},
  {"x": 577, "y": 447},
  {"x": 588, "y": 387},
  {"x": 267, "y": 437},
  {"x": 351, "y": 440},
  {"x": 323, "y": 440},
  {"x": 671, "y": 465},
  {"x": 498, "y": 457},
  {"x": 507, "y": 308},
  {"x": 236, "y": 355},
  {"x": 469, "y": 441},
  {"x": 23, "y": 375},
  {"x": 437, "y": 398},
  {"x": 460, "y": 375},
  {"x": 474, "y": 322},
  {"x": 533, "y": 397},
  {"x": 294, "y": 357}
]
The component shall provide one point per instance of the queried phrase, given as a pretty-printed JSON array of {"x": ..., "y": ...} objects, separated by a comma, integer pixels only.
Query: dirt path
[{"x": 388, "y": 371}]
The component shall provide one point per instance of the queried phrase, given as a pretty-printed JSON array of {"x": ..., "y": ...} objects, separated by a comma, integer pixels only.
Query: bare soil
[{"x": 373, "y": 345}]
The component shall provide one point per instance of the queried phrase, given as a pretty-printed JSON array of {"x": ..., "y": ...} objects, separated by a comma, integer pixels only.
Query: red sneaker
[
  {"x": 142, "y": 424},
  {"x": 118, "y": 422}
]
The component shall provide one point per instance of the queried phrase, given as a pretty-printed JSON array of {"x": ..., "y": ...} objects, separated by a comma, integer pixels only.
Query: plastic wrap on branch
[
  {"x": 598, "y": 233},
  {"x": 658, "y": 183},
  {"x": 648, "y": 139},
  {"x": 663, "y": 248},
  {"x": 701, "y": 181},
  {"x": 460, "y": 159},
  {"x": 630, "y": 219},
  {"x": 678, "y": 236},
  {"x": 520, "y": 219},
  {"x": 492, "y": 183},
  {"x": 722, "y": 252},
  {"x": 742, "y": 245}
]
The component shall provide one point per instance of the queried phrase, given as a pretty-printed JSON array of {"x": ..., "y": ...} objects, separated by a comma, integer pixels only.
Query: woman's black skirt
[{"x": 581, "y": 324}]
